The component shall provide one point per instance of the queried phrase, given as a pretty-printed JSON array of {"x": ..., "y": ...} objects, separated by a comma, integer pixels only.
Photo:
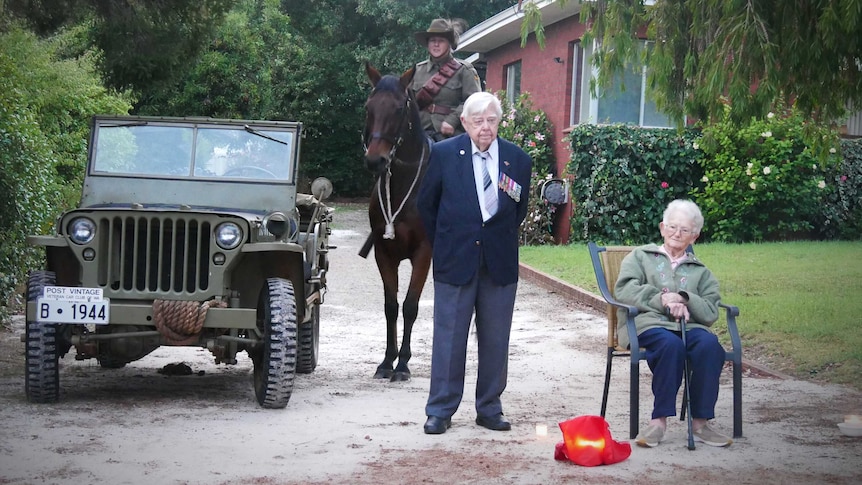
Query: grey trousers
[{"x": 454, "y": 306}]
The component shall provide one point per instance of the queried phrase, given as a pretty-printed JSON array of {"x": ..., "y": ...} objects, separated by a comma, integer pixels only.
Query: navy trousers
[
  {"x": 665, "y": 356},
  {"x": 454, "y": 306}
]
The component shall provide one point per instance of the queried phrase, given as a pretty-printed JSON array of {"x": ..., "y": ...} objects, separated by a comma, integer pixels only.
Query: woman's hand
[
  {"x": 668, "y": 298},
  {"x": 447, "y": 129},
  {"x": 678, "y": 310}
]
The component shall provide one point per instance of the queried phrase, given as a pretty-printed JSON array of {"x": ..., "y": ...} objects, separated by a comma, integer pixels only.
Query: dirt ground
[{"x": 134, "y": 425}]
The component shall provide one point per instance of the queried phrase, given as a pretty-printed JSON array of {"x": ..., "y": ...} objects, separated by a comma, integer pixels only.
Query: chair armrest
[
  {"x": 631, "y": 313},
  {"x": 732, "y": 312}
]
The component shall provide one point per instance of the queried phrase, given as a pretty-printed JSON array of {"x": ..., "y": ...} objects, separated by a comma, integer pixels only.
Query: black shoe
[
  {"x": 437, "y": 425},
  {"x": 496, "y": 423}
]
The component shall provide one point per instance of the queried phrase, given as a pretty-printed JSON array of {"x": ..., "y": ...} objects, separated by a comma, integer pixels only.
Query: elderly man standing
[
  {"x": 472, "y": 201},
  {"x": 442, "y": 82}
]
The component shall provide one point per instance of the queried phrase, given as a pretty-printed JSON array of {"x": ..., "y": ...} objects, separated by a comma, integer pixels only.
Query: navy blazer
[{"x": 449, "y": 206}]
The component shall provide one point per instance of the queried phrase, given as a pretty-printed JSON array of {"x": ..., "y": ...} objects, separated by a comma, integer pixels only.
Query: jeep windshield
[{"x": 193, "y": 150}]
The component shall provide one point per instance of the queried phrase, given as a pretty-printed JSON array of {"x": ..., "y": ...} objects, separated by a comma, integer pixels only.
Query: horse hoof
[
  {"x": 400, "y": 377},
  {"x": 384, "y": 374}
]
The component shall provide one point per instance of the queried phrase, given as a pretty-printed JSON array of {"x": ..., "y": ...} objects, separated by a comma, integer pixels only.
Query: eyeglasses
[
  {"x": 491, "y": 120},
  {"x": 682, "y": 230}
]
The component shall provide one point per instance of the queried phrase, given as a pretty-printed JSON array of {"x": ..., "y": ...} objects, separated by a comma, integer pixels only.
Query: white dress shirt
[{"x": 493, "y": 170}]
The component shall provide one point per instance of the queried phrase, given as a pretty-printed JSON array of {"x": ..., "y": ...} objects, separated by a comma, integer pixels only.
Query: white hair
[
  {"x": 478, "y": 103},
  {"x": 688, "y": 209}
]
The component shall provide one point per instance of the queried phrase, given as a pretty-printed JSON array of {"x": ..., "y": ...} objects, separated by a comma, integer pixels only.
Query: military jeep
[{"x": 189, "y": 232}]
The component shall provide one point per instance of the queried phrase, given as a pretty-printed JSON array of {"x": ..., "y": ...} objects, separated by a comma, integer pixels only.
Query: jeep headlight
[
  {"x": 228, "y": 235},
  {"x": 82, "y": 230}
]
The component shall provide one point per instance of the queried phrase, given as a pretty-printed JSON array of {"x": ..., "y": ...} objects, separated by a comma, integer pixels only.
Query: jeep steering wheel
[{"x": 249, "y": 170}]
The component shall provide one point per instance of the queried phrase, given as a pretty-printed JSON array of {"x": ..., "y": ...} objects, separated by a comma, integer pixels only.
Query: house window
[
  {"x": 513, "y": 81},
  {"x": 625, "y": 100},
  {"x": 580, "y": 92}
]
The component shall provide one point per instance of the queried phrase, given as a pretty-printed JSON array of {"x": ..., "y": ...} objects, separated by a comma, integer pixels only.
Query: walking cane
[{"x": 687, "y": 397}]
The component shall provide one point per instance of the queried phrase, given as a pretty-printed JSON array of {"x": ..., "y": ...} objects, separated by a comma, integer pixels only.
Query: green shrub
[
  {"x": 45, "y": 108},
  {"x": 841, "y": 210},
  {"x": 624, "y": 178},
  {"x": 530, "y": 129},
  {"x": 763, "y": 182}
]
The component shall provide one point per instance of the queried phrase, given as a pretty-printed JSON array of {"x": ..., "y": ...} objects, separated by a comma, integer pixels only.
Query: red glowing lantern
[{"x": 587, "y": 441}]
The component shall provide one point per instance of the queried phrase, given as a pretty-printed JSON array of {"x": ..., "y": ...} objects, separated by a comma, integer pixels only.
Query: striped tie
[{"x": 489, "y": 188}]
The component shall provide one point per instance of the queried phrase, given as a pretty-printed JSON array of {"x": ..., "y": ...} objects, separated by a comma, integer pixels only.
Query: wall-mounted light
[{"x": 558, "y": 60}]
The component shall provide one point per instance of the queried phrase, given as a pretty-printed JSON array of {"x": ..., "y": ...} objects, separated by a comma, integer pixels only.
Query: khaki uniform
[{"x": 451, "y": 96}]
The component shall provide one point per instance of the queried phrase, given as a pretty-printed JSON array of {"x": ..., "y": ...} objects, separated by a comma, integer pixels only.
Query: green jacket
[
  {"x": 452, "y": 95},
  {"x": 646, "y": 273}
]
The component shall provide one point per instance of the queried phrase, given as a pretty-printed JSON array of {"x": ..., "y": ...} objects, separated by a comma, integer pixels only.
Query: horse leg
[
  {"x": 421, "y": 263},
  {"x": 389, "y": 276}
]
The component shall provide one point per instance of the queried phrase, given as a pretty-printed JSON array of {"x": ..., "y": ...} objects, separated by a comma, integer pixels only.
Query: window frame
[
  {"x": 585, "y": 106},
  {"x": 512, "y": 80}
]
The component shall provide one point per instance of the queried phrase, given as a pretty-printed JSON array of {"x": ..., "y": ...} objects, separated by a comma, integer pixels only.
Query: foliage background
[
  {"x": 624, "y": 176},
  {"x": 45, "y": 108},
  {"x": 762, "y": 180},
  {"x": 530, "y": 129},
  {"x": 757, "y": 182}
]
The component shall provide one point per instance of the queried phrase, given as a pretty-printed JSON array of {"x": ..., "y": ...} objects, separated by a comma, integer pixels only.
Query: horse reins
[{"x": 388, "y": 216}]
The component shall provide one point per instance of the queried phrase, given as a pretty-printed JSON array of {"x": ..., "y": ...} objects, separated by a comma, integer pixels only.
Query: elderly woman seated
[{"x": 666, "y": 283}]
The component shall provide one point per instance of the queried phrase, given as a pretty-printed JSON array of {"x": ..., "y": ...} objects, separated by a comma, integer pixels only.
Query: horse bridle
[
  {"x": 386, "y": 207},
  {"x": 395, "y": 141}
]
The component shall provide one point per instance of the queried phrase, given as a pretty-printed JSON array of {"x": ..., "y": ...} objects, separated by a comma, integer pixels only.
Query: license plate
[{"x": 63, "y": 311}]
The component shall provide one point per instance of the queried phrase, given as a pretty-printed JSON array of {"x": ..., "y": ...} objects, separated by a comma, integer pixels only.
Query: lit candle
[{"x": 541, "y": 430}]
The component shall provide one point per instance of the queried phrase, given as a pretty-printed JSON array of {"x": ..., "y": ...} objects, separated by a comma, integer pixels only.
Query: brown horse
[{"x": 397, "y": 152}]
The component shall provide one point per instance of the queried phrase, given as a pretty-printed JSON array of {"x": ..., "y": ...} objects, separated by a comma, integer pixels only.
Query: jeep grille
[{"x": 163, "y": 253}]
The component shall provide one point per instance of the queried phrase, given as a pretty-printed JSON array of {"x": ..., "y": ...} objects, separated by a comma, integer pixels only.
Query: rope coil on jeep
[{"x": 180, "y": 322}]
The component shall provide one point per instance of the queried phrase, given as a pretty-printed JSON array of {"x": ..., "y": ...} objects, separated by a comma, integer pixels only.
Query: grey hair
[
  {"x": 478, "y": 103},
  {"x": 687, "y": 208}
]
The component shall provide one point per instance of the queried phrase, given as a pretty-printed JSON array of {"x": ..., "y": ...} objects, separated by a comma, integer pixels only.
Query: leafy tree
[
  {"x": 233, "y": 76},
  {"x": 142, "y": 45},
  {"x": 45, "y": 108},
  {"x": 752, "y": 53}
]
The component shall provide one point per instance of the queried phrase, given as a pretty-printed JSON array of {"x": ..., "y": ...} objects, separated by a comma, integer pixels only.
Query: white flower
[
  {"x": 748, "y": 171},
  {"x": 750, "y": 165},
  {"x": 814, "y": 166},
  {"x": 705, "y": 179},
  {"x": 695, "y": 146},
  {"x": 752, "y": 185},
  {"x": 770, "y": 115},
  {"x": 766, "y": 134},
  {"x": 767, "y": 170},
  {"x": 821, "y": 184},
  {"x": 832, "y": 150}
]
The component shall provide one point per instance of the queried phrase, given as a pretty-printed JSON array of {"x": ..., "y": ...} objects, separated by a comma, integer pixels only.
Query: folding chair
[{"x": 606, "y": 265}]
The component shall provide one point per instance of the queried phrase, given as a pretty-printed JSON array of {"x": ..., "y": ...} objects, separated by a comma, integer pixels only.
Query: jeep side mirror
[{"x": 321, "y": 188}]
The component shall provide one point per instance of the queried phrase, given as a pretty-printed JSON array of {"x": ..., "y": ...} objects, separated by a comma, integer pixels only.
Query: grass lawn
[{"x": 800, "y": 303}]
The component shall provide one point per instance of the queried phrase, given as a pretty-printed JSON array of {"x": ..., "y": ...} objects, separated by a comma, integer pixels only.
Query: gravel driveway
[{"x": 136, "y": 426}]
